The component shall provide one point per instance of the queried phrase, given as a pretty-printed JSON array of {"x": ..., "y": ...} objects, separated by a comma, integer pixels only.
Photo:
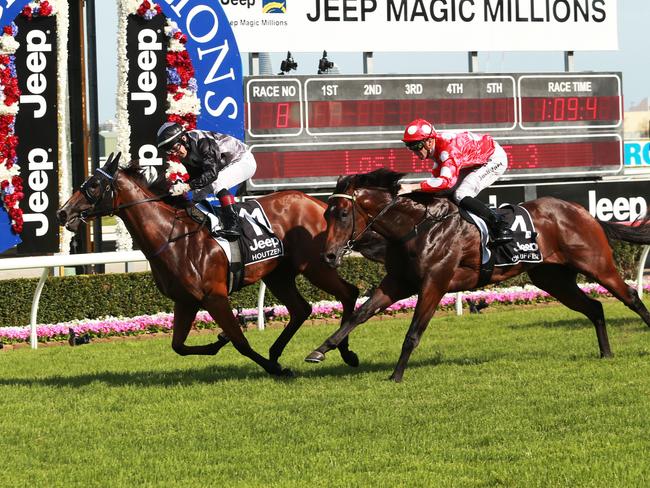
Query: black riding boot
[
  {"x": 500, "y": 232},
  {"x": 231, "y": 229}
]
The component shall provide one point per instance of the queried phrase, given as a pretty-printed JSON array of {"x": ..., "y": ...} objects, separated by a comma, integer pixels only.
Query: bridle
[
  {"x": 347, "y": 248},
  {"x": 107, "y": 183},
  {"x": 349, "y": 245}
]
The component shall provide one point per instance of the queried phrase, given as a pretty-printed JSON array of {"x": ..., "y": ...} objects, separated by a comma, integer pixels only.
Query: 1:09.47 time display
[{"x": 570, "y": 109}]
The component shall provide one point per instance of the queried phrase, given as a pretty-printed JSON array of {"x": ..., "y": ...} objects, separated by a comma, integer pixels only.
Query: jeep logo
[
  {"x": 621, "y": 209},
  {"x": 264, "y": 243}
]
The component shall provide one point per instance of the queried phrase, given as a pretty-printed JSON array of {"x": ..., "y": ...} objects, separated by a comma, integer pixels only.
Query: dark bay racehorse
[
  {"x": 444, "y": 255},
  {"x": 189, "y": 266}
]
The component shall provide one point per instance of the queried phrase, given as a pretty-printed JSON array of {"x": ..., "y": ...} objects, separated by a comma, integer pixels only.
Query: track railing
[{"x": 51, "y": 262}]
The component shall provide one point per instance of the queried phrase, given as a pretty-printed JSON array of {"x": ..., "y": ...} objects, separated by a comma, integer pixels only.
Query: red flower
[
  {"x": 27, "y": 12},
  {"x": 7, "y": 30},
  {"x": 46, "y": 9}
]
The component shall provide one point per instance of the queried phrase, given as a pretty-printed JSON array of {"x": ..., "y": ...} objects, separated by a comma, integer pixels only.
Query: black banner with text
[
  {"x": 146, "y": 50},
  {"x": 37, "y": 131}
]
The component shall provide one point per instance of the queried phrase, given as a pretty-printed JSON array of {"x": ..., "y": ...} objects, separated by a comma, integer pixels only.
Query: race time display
[{"x": 305, "y": 131}]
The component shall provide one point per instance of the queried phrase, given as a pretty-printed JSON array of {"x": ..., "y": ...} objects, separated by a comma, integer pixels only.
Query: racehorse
[
  {"x": 432, "y": 250},
  {"x": 190, "y": 267}
]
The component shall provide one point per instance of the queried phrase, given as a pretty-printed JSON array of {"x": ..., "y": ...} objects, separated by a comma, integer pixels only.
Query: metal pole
[
  {"x": 260, "y": 306},
  {"x": 93, "y": 115},
  {"x": 78, "y": 128},
  {"x": 568, "y": 61},
  {"x": 367, "y": 62},
  {"x": 33, "y": 335},
  {"x": 472, "y": 61},
  {"x": 254, "y": 64},
  {"x": 639, "y": 278}
]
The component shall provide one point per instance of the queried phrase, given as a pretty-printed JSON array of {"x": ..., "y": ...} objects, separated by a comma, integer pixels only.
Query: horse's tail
[{"x": 637, "y": 233}]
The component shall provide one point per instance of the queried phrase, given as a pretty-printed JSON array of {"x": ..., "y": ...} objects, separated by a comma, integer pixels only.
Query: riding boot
[
  {"x": 500, "y": 232},
  {"x": 231, "y": 229}
]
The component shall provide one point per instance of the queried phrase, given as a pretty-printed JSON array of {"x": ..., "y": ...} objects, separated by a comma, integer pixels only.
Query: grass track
[{"x": 515, "y": 397}]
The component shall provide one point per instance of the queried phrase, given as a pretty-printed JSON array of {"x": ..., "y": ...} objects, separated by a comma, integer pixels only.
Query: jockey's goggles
[
  {"x": 174, "y": 149},
  {"x": 415, "y": 146}
]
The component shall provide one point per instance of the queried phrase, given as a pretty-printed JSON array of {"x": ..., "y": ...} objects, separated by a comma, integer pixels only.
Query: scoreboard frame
[{"x": 590, "y": 134}]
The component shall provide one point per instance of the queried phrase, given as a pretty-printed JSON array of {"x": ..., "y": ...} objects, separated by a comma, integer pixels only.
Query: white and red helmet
[{"x": 418, "y": 130}]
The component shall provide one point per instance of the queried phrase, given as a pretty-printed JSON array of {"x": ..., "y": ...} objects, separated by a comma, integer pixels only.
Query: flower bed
[{"x": 163, "y": 322}]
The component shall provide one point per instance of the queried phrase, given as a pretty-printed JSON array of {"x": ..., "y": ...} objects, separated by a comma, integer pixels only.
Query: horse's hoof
[
  {"x": 395, "y": 378},
  {"x": 350, "y": 358},
  {"x": 287, "y": 373},
  {"x": 315, "y": 357}
]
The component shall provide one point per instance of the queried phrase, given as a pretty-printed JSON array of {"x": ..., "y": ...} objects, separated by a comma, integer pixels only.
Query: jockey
[
  {"x": 452, "y": 152},
  {"x": 215, "y": 162}
]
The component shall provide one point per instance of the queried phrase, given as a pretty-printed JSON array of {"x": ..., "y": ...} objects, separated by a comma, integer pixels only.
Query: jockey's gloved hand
[{"x": 179, "y": 188}]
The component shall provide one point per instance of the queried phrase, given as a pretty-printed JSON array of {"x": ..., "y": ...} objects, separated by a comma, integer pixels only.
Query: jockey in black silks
[{"x": 215, "y": 162}]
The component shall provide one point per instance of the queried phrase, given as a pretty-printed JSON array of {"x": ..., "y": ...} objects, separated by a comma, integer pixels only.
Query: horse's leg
[
  {"x": 560, "y": 282},
  {"x": 388, "y": 292},
  {"x": 610, "y": 279},
  {"x": 428, "y": 299},
  {"x": 328, "y": 280},
  {"x": 221, "y": 311},
  {"x": 184, "y": 314},
  {"x": 283, "y": 285}
]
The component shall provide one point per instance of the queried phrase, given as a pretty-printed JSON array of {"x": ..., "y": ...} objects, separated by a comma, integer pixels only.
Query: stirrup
[
  {"x": 228, "y": 234},
  {"x": 502, "y": 237}
]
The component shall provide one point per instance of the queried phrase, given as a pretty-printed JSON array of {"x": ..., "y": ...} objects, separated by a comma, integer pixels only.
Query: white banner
[{"x": 423, "y": 25}]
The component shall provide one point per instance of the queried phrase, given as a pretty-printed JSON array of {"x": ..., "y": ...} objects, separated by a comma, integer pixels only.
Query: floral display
[
  {"x": 11, "y": 184},
  {"x": 163, "y": 322},
  {"x": 38, "y": 8}
]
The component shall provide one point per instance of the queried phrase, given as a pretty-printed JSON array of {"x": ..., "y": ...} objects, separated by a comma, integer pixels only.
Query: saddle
[
  {"x": 522, "y": 249},
  {"x": 257, "y": 242}
]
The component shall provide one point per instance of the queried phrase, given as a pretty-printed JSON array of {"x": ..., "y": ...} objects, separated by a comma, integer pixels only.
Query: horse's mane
[
  {"x": 383, "y": 179},
  {"x": 159, "y": 186}
]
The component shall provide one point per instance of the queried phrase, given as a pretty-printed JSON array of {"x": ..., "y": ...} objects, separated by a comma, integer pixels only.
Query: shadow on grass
[
  {"x": 216, "y": 373},
  {"x": 582, "y": 323}
]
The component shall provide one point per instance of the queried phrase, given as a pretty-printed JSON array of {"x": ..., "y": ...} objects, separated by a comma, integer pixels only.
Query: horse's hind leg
[
  {"x": 283, "y": 285},
  {"x": 219, "y": 308},
  {"x": 560, "y": 282},
  {"x": 184, "y": 314},
  {"x": 610, "y": 279},
  {"x": 328, "y": 280}
]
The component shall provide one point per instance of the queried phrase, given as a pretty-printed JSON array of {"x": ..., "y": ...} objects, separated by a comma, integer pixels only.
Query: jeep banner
[
  {"x": 184, "y": 66},
  {"x": 37, "y": 131},
  {"x": 423, "y": 25},
  {"x": 146, "y": 49}
]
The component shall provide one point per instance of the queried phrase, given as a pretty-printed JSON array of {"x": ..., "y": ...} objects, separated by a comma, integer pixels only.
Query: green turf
[{"x": 513, "y": 398}]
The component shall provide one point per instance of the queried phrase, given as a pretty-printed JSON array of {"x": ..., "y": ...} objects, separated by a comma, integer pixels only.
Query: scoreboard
[{"x": 306, "y": 131}]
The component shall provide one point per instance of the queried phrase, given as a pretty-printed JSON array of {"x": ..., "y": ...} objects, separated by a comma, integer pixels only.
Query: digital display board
[{"x": 306, "y": 131}]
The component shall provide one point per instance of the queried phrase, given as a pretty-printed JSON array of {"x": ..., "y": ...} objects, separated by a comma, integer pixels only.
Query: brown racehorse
[
  {"x": 444, "y": 255},
  {"x": 189, "y": 266}
]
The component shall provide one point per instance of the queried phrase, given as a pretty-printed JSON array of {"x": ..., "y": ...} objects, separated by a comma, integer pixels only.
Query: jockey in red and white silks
[{"x": 452, "y": 152}]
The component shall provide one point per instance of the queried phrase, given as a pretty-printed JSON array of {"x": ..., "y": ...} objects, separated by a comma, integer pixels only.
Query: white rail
[{"x": 49, "y": 262}]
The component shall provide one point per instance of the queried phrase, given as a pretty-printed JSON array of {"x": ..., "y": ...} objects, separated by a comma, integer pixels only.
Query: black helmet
[{"x": 168, "y": 135}]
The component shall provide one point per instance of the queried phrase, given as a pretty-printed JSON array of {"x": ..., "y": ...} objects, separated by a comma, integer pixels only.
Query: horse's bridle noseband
[
  {"x": 101, "y": 175},
  {"x": 347, "y": 249}
]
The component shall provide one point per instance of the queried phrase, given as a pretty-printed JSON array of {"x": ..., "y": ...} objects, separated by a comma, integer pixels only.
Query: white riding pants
[
  {"x": 232, "y": 175},
  {"x": 483, "y": 176}
]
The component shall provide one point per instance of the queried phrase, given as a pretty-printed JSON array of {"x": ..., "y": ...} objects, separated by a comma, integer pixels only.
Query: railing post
[
  {"x": 459, "y": 303},
  {"x": 260, "y": 306},
  {"x": 639, "y": 278},
  {"x": 33, "y": 335}
]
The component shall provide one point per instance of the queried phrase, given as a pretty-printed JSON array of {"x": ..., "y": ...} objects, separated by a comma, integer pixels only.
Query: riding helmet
[
  {"x": 419, "y": 130},
  {"x": 168, "y": 135}
]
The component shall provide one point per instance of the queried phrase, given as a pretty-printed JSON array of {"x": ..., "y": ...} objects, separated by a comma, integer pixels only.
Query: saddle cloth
[
  {"x": 259, "y": 243},
  {"x": 522, "y": 249}
]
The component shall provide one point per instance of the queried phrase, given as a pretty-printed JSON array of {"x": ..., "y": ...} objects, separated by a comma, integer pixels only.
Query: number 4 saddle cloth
[{"x": 522, "y": 249}]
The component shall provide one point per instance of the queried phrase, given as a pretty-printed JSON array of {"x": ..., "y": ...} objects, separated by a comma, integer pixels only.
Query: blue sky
[{"x": 632, "y": 58}]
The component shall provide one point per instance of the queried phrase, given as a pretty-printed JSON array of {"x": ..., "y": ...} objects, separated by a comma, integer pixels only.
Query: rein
[
  {"x": 92, "y": 212},
  {"x": 347, "y": 248}
]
